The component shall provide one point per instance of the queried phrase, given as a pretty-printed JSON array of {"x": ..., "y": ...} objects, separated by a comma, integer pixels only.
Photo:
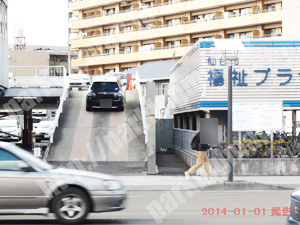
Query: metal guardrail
[
  {"x": 124, "y": 53},
  {"x": 37, "y": 76},
  {"x": 62, "y": 99},
  {"x": 182, "y": 140}
]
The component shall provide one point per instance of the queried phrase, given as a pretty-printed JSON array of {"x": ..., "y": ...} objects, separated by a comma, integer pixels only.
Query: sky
[{"x": 44, "y": 22}]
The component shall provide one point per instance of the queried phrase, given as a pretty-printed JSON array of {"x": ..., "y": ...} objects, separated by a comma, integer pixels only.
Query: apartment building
[{"x": 117, "y": 35}]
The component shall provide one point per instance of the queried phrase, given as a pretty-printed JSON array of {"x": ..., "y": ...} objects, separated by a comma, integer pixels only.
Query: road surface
[
  {"x": 150, "y": 207},
  {"x": 102, "y": 136}
]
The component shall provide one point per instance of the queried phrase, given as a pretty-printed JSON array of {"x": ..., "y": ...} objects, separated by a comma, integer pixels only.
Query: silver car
[{"x": 29, "y": 185}]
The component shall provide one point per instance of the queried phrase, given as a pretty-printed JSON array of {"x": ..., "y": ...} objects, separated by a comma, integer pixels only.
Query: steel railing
[
  {"x": 37, "y": 76},
  {"x": 182, "y": 140},
  {"x": 184, "y": 23}
]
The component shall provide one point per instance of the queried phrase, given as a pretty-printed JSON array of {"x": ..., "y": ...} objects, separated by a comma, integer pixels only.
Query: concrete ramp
[{"x": 100, "y": 135}]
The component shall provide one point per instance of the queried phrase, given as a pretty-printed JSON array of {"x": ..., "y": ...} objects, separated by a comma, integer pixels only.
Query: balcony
[
  {"x": 156, "y": 54},
  {"x": 164, "y": 9},
  {"x": 189, "y": 27}
]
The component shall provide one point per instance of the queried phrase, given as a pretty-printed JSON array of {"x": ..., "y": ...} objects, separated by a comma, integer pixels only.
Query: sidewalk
[{"x": 161, "y": 183}]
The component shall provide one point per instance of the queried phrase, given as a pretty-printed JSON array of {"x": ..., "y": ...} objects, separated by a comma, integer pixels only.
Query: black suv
[{"x": 105, "y": 93}]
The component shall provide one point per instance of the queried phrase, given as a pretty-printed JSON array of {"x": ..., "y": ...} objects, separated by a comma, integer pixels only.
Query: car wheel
[
  {"x": 71, "y": 206},
  {"x": 88, "y": 108}
]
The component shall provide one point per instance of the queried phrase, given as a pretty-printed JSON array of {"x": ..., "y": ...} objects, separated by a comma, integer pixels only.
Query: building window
[
  {"x": 107, "y": 51},
  {"x": 196, "y": 18},
  {"x": 245, "y": 35},
  {"x": 126, "y": 69},
  {"x": 146, "y": 4},
  {"x": 108, "y": 12},
  {"x": 127, "y": 49},
  {"x": 232, "y": 36},
  {"x": 170, "y": 44},
  {"x": 209, "y": 16},
  {"x": 165, "y": 89},
  {"x": 245, "y": 11},
  {"x": 271, "y": 32},
  {"x": 271, "y": 7},
  {"x": 171, "y": 1},
  {"x": 127, "y": 29},
  {"x": 171, "y": 22},
  {"x": 127, "y": 8},
  {"x": 148, "y": 25},
  {"x": 196, "y": 39},
  {"x": 208, "y": 37},
  {"x": 232, "y": 13},
  {"x": 106, "y": 31}
]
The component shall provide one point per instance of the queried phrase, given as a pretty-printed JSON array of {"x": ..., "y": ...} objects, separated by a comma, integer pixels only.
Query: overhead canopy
[{"x": 159, "y": 70}]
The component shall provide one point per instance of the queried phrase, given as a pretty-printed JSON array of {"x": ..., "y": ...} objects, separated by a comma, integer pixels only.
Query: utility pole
[{"x": 229, "y": 126}]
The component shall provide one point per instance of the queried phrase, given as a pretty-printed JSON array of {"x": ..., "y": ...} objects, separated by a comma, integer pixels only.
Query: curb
[{"x": 221, "y": 186}]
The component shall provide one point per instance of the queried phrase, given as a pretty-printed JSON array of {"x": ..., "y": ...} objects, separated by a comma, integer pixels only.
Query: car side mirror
[{"x": 24, "y": 166}]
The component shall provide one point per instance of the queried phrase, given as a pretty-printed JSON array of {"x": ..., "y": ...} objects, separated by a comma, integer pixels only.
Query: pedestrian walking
[{"x": 202, "y": 151}]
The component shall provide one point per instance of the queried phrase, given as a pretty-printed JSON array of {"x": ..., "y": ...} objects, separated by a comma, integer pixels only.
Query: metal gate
[{"x": 164, "y": 133}]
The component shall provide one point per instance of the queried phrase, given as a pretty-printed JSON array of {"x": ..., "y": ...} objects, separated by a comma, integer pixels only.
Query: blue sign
[{"x": 216, "y": 76}]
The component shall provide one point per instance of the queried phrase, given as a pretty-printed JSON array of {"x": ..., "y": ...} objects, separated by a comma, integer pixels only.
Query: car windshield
[
  {"x": 122, "y": 76},
  {"x": 105, "y": 87},
  {"x": 29, "y": 158},
  {"x": 45, "y": 124},
  {"x": 8, "y": 123},
  {"x": 79, "y": 77}
]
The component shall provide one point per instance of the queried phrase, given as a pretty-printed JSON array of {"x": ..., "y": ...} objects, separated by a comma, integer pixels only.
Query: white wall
[
  {"x": 190, "y": 85},
  {"x": 291, "y": 19},
  {"x": 3, "y": 63}
]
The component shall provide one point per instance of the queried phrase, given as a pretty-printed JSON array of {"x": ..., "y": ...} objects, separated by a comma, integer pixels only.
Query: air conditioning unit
[
  {"x": 157, "y": 23},
  {"x": 218, "y": 14},
  {"x": 184, "y": 19},
  {"x": 255, "y": 8},
  {"x": 135, "y": 48},
  {"x": 136, "y": 6},
  {"x": 158, "y": 45},
  {"x": 256, "y": 33},
  {"x": 184, "y": 41}
]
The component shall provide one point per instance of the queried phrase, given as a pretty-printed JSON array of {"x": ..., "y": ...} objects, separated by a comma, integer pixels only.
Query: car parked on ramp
[
  {"x": 105, "y": 93},
  {"x": 32, "y": 186}
]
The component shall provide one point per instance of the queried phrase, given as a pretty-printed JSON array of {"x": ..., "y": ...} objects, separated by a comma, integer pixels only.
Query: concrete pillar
[
  {"x": 27, "y": 137},
  {"x": 117, "y": 68},
  {"x": 198, "y": 116},
  {"x": 191, "y": 121},
  {"x": 151, "y": 124},
  {"x": 184, "y": 121},
  {"x": 294, "y": 127},
  {"x": 80, "y": 53},
  {"x": 178, "y": 121}
]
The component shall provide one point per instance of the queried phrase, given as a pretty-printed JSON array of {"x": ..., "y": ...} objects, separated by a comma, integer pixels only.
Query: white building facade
[
  {"x": 3, "y": 45},
  {"x": 265, "y": 71}
]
